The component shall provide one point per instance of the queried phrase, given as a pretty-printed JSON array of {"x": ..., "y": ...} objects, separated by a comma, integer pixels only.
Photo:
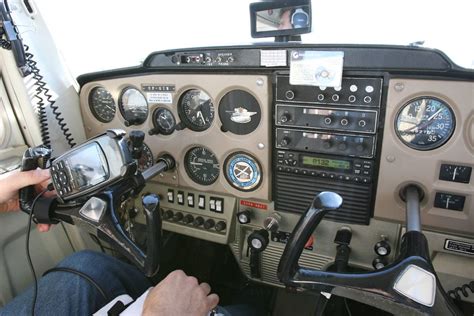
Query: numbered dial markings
[
  {"x": 164, "y": 121},
  {"x": 133, "y": 106},
  {"x": 196, "y": 110},
  {"x": 146, "y": 160},
  {"x": 425, "y": 123},
  {"x": 201, "y": 165},
  {"x": 102, "y": 104},
  {"x": 243, "y": 172}
]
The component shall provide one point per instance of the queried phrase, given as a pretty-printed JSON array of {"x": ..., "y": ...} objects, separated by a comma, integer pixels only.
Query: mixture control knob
[
  {"x": 285, "y": 141},
  {"x": 272, "y": 222},
  {"x": 382, "y": 248},
  {"x": 188, "y": 219},
  {"x": 221, "y": 226},
  {"x": 290, "y": 95},
  {"x": 198, "y": 221},
  {"x": 209, "y": 224},
  {"x": 244, "y": 217},
  {"x": 167, "y": 215},
  {"x": 258, "y": 240},
  {"x": 177, "y": 217},
  {"x": 379, "y": 263},
  {"x": 285, "y": 117}
]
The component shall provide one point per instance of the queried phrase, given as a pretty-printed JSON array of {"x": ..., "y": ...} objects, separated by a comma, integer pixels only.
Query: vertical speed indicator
[{"x": 425, "y": 123}]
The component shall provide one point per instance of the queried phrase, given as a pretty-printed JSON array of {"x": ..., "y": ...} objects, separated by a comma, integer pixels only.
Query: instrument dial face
[
  {"x": 146, "y": 160},
  {"x": 425, "y": 123},
  {"x": 102, "y": 104},
  {"x": 133, "y": 106},
  {"x": 196, "y": 110},
  {"x": 243, "y": 172},
  {"x": 164, "y": 121},
  {"x": 201, "y": 165}
]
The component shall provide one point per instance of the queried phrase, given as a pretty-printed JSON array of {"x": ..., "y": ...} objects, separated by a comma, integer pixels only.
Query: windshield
[{"x": 107, "y": 34}]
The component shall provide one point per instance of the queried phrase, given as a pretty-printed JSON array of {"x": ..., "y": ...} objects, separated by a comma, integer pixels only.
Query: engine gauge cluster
[
  {"x": 425, "y": 123},
  {"x": 102, "y": 104},
  {"x": 196, "y": 110},
  {"x": 133, "y": 106}
]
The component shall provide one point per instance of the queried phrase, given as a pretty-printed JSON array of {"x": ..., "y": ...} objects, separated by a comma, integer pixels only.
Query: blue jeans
[{"x": 63, "y": 293}]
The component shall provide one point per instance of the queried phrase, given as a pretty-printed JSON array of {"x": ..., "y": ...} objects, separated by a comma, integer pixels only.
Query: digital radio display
[{"x": 326, "y": 163}]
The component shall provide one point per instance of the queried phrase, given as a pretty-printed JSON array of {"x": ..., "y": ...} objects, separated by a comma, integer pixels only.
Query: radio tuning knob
[
  {"x": 327, "y": 144},
  {"x": 285, "y": 118},
  {"x": 290, "y": 95},
  {"x": 285, "y": 141},
  {"x": 342, "y": 146}
]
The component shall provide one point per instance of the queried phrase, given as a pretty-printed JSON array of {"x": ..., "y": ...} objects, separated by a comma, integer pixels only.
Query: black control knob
[
  {"x": 285, "y": 141},
  {"x": 198, "y": 221},
  {"x": 188, "y": 219},
  {"x": 382, "y": 248},
  {"x": 177, "y": 217},
  {"x": 167, "y": 215},
  {"x": 360, "y": 148},
  {"x": 209, "y": 224},
  {"x": 290, "y": 95},
  {"x": 244, "y": 217},
  {"x": 258, "y": 240},
  {"x": 379, "y": 263},
  {"x": 327, "y": 144},
  {"x": 220, "y": 226},
  {"x": 342, "y": 146},
  {"x": 285, "y": 117},
  {"x": 136, "y": 143}
]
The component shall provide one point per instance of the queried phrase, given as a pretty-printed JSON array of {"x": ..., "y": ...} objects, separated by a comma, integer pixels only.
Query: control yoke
[
  {"x": 408, "y": 285},
  {"x": 97, "y": 211}
]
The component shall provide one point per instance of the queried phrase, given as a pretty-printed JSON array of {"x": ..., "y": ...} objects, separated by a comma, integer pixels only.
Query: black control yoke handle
[{"x": 382, "y": 288}]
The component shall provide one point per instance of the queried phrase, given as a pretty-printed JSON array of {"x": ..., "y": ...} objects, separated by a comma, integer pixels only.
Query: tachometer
[
  {"x": 196, "y": 110},
  {"x": 425, "y": 123},
  {"x": 201, "y": 165},
  {"x": 133, "y": 106},
  {"x": 102, "y": 104}
]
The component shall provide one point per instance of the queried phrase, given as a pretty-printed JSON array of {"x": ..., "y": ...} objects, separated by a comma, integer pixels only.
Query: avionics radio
[{"x": 325, "y": 139}]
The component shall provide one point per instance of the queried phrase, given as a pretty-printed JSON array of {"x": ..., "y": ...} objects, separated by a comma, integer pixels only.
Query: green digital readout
[{"x": 326, "y": 163}]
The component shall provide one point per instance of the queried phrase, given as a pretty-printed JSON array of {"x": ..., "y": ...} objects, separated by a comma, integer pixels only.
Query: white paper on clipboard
[{"x": 316, "y": 68}]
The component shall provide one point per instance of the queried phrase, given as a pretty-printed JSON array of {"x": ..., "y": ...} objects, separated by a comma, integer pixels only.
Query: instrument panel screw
[
  {"x": 390, "y": 158},
  {"x": 399, "y": 86},
  {"x": 259, "y": 82},
  {"x": 261, "y": 146}
]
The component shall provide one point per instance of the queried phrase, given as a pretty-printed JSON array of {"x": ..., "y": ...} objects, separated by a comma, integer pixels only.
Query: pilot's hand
[
  {"x": 179, "y": 294},
  {"x": 11, "y": 182}
]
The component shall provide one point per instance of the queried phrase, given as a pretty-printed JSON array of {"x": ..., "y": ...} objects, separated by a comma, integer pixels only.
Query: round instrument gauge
[
  {"x": 243, "y": 172},
  {"x": 239, "y": 112},
  {"x": 146, "y": 160},
  {"x": 196, "y": 110},
  {"x": 102, "y": 104},
  {"x": 201, "y": 165},
  {"x": 425, "y": 123},
  {"x": 133, "y": 106},
  {"x": 164, "y": 121}
]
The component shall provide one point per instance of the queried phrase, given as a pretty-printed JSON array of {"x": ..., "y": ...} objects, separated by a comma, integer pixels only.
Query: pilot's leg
[{"x": 64, "y": 293}]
